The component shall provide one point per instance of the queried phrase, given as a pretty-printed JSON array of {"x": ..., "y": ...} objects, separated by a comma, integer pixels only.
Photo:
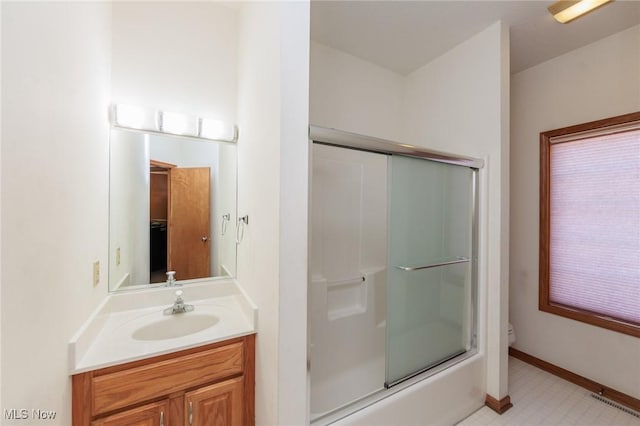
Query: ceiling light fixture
[{"x": 567, "y": 11}]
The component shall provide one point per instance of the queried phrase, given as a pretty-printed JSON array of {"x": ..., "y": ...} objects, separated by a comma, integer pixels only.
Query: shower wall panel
[{"x": 348, "y": 267}]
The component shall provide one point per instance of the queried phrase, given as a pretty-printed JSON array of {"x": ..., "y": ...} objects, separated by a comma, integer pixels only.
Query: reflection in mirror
[{"x": 172, "y": 207}]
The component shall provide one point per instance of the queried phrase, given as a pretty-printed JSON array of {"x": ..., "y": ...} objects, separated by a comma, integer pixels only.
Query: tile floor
[{"x": 540, "y": 398}]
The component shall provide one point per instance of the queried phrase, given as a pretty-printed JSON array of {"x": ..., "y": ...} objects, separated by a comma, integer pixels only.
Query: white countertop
[{"x": 106, "y": 337}]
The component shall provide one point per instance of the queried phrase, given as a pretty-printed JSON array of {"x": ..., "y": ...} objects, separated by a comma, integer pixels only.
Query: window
[{"x": 590, "y": 223}]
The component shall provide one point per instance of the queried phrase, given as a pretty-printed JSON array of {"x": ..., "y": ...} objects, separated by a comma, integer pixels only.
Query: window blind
[{"x": 595, "y": 225}]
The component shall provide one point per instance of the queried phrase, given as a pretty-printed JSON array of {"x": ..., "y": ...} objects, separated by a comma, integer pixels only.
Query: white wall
[
  {"x": 258, "y": 187},
  {"x": 55, "y": 95},
  {"x": 469, "y": 83},
  {"x": 353, "y": 95},
  {"x": 272, "y": 188},
  {"x": 177, "y": 56},
  {"x": 294, "y": 209},
  {"x": 597, "y": 81}
]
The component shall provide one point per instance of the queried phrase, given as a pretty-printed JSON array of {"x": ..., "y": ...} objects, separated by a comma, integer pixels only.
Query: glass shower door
[{"x": 430, "y": 274}]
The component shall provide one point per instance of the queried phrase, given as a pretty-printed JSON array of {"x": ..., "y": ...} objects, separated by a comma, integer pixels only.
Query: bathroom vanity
[
  {"x": 132, "y": 364},
  {"x": 208, "y": 385}
]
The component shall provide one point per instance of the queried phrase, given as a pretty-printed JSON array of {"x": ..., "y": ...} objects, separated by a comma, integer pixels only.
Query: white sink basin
[
  {"x": 130, "y": 326},
  {"x": 173, "y": 326}
]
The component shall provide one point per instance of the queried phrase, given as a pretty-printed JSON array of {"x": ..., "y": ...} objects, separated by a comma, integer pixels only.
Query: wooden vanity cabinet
[
  {"x": 211, "y": 385},
  {"x": 218, "y": 404},
  {"x": 147, "y": 415}
]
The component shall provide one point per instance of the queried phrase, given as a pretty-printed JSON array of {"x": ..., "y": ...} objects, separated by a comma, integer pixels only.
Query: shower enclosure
[{"x": 392, "y": 295}]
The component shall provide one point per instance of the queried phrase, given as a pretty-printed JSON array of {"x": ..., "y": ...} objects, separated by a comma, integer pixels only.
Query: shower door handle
[{"x": 459, "y": 259}]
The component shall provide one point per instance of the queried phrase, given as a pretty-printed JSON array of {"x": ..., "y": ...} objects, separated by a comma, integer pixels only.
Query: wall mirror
[{"x": 172, "y": 206}]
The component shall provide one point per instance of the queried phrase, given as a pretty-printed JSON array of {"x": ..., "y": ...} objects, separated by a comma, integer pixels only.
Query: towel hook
[
  {"x": 242, "y": 222},
  {"x": 225, "y": 218}
]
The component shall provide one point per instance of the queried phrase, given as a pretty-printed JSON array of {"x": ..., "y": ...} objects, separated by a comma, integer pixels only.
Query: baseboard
[
  {"x": 499, "y": 406},
  {"x": 595, "y": 387}
]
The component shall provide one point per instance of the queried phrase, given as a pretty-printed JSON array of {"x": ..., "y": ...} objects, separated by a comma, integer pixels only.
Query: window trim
[{"x": 609, "y": 125}]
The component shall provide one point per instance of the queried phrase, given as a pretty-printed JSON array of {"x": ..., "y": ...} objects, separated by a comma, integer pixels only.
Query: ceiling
[{"x": 404, "y": 35}]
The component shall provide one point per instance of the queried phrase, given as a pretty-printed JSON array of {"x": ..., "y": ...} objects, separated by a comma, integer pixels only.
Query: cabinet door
[
  {"x": 156, "y": 414},
  {"x": 216, "y": 405}
]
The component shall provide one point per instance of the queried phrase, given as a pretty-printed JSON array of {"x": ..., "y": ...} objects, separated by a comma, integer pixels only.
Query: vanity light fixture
[
  {"x": 133, "y": 117},
  {"x": 567, "y": 11},
  {"x": 169, "y": 122}
]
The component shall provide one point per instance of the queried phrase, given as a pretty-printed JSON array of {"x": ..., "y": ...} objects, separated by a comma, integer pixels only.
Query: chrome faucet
[
  {"x": 179, "y": 307},
  {"x": 171, "y": 279}
]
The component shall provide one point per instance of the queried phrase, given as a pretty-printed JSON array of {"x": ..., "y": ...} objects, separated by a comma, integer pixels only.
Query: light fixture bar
[
  {"x": 172, "y": 123},
  {"x": 567, "y": 11}
]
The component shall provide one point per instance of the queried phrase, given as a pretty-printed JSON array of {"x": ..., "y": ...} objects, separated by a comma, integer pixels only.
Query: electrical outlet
[
  {"x": 118, "y": 256},
  {"x": 96, "y": 273}
]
